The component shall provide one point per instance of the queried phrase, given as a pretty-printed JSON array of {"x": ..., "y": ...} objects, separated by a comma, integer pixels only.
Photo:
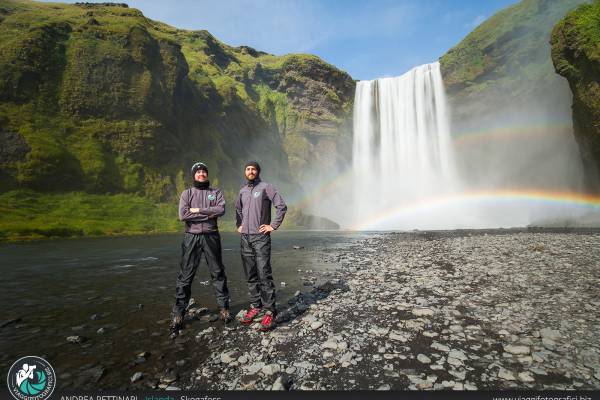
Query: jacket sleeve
[
  {"x": 184, "y": 210},
  {"x": 238, "y": 210},
  {"x": 278, "y": 203},
  {"x": 217, "y": 210}
]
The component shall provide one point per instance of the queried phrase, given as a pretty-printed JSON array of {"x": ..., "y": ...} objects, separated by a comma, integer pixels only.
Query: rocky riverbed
[{"x": 426, "y": 311}]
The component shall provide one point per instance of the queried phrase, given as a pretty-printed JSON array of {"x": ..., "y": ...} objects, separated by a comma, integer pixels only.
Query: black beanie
[
  {"x": 253, "y": 164},
  {"x": 197, "y": 166}
]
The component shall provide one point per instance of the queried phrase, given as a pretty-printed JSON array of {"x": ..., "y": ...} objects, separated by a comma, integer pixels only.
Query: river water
[{"x": 125, "y": 287}]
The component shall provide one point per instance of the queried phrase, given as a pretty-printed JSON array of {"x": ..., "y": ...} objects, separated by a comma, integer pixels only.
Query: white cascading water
[{"x": 402, "y": 150}]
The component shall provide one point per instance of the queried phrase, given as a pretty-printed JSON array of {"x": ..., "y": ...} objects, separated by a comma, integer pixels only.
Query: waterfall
[{"x": 402, "y": 150}]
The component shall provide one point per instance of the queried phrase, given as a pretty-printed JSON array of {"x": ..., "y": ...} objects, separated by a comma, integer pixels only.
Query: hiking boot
[
  {"x": 250, "y": 315},
  {"x": 225, "y": 316},
  {"x": 268, "y": 322},
  {"x": 176, "y": 325}
]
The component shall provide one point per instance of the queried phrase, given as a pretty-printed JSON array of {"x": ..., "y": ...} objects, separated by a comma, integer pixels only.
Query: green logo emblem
[
  {"x": 31, "y": 377},
  {"x": 211, "y": 197}
]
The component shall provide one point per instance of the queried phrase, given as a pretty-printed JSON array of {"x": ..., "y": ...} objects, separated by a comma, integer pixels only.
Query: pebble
[
  {"x": 316, "y": 325},
  {"x": 75, "y": 339},
  {"x": 228, "y": 357},
  {"x": 440, "y": 347},
  {"x": 254, "y": 367},
  {"x": 457, "y": 354},
  {"x": 270, "y": 369},
  {"x": 452, "y": 294},
  {"x": 136, "y": 377},
  {"x": 516, "y": 349},
  {"x": 422, "y": 312},
  {"x": 526, "y": 377},
  {"x": 423, "y": 358},
  {"x": 506, "y": 375},
  {"x": 551, "y": 334}
]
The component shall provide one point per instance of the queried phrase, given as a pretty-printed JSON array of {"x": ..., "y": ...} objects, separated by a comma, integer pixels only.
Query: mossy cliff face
[
  {"x": 500, "y": 79},
  {"x": 99, "y": 98},
  {"x": 576, "y": 56}
]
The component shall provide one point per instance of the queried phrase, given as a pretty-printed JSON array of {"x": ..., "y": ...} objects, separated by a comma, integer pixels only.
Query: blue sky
[{"x": 367, "y": 39}]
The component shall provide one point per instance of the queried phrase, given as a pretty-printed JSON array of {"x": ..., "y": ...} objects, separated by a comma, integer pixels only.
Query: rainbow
[
  {"x": 532, "y": 131},
  {"x": 560, "y": 198},
  {"x": 459, "y": 139}
]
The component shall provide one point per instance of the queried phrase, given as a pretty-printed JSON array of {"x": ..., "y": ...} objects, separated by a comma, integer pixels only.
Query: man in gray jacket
[
  {"x": 199, "y": 208},
  {"x": 253, "y": 219}
]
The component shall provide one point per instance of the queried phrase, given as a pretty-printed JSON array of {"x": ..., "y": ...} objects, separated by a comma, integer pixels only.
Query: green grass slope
[{"x": 505, "y": 60}]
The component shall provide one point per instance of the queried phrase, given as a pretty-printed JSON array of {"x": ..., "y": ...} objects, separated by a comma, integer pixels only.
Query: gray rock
[
  {"x": 506, "y": 375},
  {"x": 454, "y": 362},
  {"x": 330, "y": 344},
  {"x": 459, "y": 375},
  {"x": 422, "y": 312},
  {"x": 459, "y": 355},
  {"x": 424, "y": 385},
  {"x": 440, "y": 347},
  {"x": 551, "y": 334},
  {"x": 517, "y": 349},
  {"x": 548, "y": 343},
  {"x": 290, "y": 370},
  {"x": 254, "y": 367},
  {"x": 316, "y": 325},
  {"x": 136, "y": 377},
  {"x": 526, "y": 377},
  {"x": 75, "y": 339},
  {"x": 169, "y": 377},
  {"x": 270, "y": 369},
  {"x": 228, "y": 357},
  {"x": 423, "y": 358},
  {"x": 538, "y": 371}
]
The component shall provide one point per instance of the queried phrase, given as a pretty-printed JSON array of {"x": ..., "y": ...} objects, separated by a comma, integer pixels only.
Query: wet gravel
[{"x": 423, "y": 311}]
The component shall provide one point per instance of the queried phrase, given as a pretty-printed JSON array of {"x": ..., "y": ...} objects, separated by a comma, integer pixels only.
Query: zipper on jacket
[{"x": 249, "y": 208}]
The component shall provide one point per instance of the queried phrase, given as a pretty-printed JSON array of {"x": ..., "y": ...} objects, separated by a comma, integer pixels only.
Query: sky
[{"x": 369, "y": 39}]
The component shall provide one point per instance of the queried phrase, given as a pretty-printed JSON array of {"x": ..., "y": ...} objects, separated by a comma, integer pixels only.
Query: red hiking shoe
[
  {"x": 250, "y": 315},
  {"x": 268, "y": 322}
]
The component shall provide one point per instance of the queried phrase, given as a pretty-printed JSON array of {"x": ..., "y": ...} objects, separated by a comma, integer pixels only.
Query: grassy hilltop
[
  {"x": 507, "y": 54},
  {"x": 101, "y": 104}
]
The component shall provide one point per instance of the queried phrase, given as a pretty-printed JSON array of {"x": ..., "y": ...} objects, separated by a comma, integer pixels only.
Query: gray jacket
[
  {"x": 253, "y": 207},
  {"x": 211, "y": 203}
]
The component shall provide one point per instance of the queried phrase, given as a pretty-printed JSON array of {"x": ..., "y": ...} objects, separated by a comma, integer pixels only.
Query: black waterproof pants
[
  {"x": 256, "y": 259},
  {"x": 191, "y": 251}
]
